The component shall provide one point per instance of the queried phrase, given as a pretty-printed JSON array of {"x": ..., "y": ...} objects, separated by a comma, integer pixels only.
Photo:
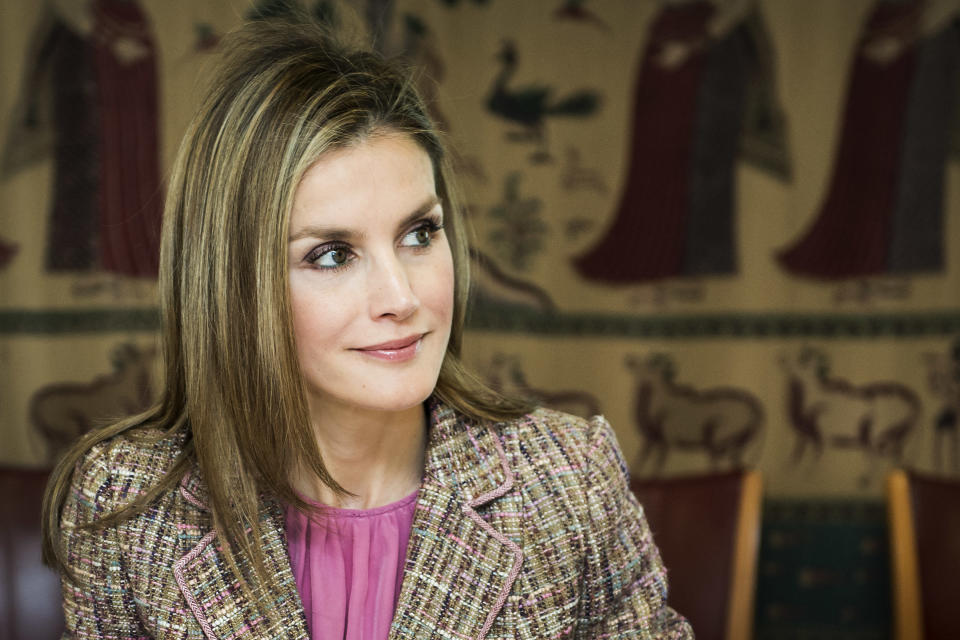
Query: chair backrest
[
  {"x": 707, "y": 528},
  {"x": 30, "y": 601},
  {"x": 924, "y": 514}
]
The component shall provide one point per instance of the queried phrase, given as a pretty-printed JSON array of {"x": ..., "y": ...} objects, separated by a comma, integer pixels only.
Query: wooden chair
[
  {"x": 30, "y": 601},
  {"x": 924, "y": 517},
  {"x": 707, "y": 528}
]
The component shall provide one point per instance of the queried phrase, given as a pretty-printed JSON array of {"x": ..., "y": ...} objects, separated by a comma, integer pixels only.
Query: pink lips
[{"x": 395, "y": 350}]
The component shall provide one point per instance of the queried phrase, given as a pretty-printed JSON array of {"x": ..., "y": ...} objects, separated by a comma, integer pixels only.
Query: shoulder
[
  {"x": 551, "y": 444},
  {"x": 115, "y": 472},
  {"x": 555, "y": 434}
]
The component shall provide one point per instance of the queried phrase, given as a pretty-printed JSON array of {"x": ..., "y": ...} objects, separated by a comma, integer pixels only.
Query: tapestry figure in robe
[
  {"x": 883, "y": 210},
  {"x": 90, "y": 98},
  {"x": 697, "y": 75}
]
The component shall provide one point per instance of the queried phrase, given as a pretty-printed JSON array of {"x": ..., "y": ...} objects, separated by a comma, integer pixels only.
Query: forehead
[{"x": 379, "y": 176}]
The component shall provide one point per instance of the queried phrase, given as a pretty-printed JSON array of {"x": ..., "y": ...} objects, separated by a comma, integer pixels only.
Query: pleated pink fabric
[{"x": 348, "y": 567}]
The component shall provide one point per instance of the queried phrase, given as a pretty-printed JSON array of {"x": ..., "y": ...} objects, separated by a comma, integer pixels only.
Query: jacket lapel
[
  {"x": 221, "y": 608},
  {"x": 460, "y": 565},
  {"x": 462, "y": 556}
]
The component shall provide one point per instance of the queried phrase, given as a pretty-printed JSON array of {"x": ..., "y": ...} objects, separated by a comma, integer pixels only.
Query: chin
[{"x": 405, "y": 399}]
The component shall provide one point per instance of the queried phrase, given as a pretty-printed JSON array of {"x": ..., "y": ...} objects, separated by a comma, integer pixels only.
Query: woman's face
[{"x": 371, "y": 277}]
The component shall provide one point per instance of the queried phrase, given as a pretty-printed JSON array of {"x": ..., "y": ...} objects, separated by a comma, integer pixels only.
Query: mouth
[{"x": 395, "y": 350}]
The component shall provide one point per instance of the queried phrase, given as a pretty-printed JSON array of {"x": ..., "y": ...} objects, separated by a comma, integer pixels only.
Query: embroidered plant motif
[{"x": 518, "y": 232}]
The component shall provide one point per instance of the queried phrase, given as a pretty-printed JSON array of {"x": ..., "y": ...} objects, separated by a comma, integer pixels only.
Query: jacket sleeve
[
  {"x": 624, "y": 584},
  {"x": 97, "y": 602}
]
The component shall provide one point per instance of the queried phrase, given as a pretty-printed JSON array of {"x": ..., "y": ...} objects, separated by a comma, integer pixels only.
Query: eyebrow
[{"x": 340, "y": 233}]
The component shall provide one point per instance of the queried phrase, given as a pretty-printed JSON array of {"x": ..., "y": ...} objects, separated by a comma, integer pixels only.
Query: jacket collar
[
  {"x": 465, "y": 470},
  {"x": 463, "y": 456},
  {"x": 454, "y": 550},
  {"x": 221, "y": 608}
]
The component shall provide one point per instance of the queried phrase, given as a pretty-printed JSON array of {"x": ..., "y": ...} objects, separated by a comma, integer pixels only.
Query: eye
[
  {"x": 330, "y": 257},
  {"x": 422, "y": 235}
]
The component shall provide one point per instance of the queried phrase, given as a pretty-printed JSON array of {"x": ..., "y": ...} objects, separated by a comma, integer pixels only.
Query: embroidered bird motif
[{"x": 530, "y": 105}]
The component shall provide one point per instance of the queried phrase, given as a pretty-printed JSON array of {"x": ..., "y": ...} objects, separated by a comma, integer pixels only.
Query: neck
[{"x": 376, "y": 456}]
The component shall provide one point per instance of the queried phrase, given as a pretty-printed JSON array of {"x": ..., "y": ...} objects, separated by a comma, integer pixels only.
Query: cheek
[
  {"x": 304, "y": 334},
  {"x": 441, "y": 287},
  {"x": 316, "y": 325}
]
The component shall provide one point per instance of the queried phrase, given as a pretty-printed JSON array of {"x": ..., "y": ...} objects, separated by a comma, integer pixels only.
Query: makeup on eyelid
[{"x": 431, "y": 225}]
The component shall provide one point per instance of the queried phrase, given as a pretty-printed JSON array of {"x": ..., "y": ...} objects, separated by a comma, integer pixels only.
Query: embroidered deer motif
[
  {"x": 827, "y": 411},
  {"x": 65, "y": 411},
  {"x": 505, "y": 372},
  {"x": 721, "y": 422}
]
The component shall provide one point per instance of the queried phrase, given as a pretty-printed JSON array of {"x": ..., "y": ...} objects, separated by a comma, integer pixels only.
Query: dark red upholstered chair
[
  {"x": 30, "y": 603},
  {"x": 707, "y": 528},
  {"x": 924, "y": 514}
]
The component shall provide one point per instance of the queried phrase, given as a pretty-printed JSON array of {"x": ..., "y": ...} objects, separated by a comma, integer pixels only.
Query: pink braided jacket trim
[
  {"x": 468, "y": 509},
  {"x": 187, "y": 495},
  {"x": 185, "y": 590}
]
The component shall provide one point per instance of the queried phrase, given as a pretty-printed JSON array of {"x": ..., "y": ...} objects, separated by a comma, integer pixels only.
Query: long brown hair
[{"x": 284, "y": 94}]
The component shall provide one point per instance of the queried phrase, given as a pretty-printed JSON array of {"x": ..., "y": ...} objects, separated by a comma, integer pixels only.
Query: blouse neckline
[{"x": 341, "y": 512}]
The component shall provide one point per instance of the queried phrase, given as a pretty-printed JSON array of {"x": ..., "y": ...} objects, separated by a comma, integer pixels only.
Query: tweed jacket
[{"x": 523, "y": 529}]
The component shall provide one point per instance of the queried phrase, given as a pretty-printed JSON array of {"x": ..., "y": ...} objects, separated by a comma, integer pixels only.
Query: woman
[{"x": 321, "y": 463}]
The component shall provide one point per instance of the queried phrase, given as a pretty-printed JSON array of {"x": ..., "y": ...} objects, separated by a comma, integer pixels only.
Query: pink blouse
[{"x": 349, "y": 566}]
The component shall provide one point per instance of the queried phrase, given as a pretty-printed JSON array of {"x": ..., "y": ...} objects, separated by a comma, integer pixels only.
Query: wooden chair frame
[
  {"x": 907, "y": 598},
  {"x": 743, "y": 582}
]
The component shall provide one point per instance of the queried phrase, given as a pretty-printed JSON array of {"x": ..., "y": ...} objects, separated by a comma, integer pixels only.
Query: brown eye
[
  {"x": 422, "y": 236},
  {"x": 331, "y": 257}
]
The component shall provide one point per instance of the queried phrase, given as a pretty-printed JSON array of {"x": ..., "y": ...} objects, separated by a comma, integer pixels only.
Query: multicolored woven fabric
[{"x": 523, "y": 529}]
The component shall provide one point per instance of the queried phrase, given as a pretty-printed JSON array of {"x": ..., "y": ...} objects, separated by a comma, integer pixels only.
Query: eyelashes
[
  {"x": 338, "y": 255},
  {"x": 331, "y": 255},
  {"x": 422, "y": 233}
]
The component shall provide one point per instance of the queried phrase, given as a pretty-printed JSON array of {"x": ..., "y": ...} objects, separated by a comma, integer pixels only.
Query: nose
[{"x": 391, "y": 293}]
